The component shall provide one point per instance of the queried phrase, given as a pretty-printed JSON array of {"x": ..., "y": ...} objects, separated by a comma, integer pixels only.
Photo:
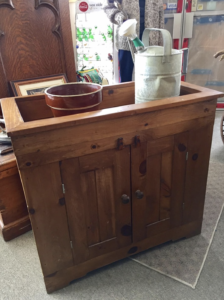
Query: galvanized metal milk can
[{"x": 157, "y": 69}]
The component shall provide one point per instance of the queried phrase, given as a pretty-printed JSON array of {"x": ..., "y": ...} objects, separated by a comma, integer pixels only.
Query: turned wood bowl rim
[{"x": 79, "y": 95}]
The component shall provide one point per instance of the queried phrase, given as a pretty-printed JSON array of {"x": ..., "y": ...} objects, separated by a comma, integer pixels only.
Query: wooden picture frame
[{"x": 36, "y": 86}]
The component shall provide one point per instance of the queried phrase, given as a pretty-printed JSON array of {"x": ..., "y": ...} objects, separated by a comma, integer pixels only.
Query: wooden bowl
[{"x": 73, "y": 98}]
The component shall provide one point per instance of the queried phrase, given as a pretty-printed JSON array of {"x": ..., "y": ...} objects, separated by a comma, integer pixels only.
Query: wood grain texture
[
  {"x": 160, "y": 145},
  {"x": 7, "y": 162},
  {"x": 178, "y": 177},
  {"x": 88, "y": 184},
  {"x": 94, "y": 185},
  {"x": 53, "y": 6},
  {"x": 12, "y": 201},
  {"x": 37, "y": 109},
  {"x": 106, "y": 209},
  {"x": 101, "y": 129},
  {"x": 122, "y": 170},
  {"x": 158, "y": 227},
  {"x": 48, "y": 217},
  {"x": 166, "y": 185},
  {"x": 75, "y": 206},
  {"x": 102, "y": 225},
  {"x": 13, "y": 210},
  {"x": 120, "y": 112},
  {"x": 153, "y": 188},
  {"x": 113, "y": 96},
  {"x": 34, "y": 110},
  {"x": 53, "y": 155},
  {"x": 139, "y": 182},
  {"x": 199, "y": 147},
  {"x": 15, "y": 229},
  {"x": 64, "y": 277},
  {"x": 36, "y": 35},
  {"x": 14, "y": 115}
]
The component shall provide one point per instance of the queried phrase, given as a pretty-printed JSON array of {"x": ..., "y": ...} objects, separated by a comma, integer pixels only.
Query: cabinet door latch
[{"x": 187, "y": 156}]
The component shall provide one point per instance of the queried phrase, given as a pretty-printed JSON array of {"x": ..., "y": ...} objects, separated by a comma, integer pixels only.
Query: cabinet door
[
  {"x": 99, "y": 217},
  {"x": 158, "y": 175}
]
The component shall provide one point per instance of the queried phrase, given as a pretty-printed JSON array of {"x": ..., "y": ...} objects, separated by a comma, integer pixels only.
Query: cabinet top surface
[{"x": 16, "y": 123}]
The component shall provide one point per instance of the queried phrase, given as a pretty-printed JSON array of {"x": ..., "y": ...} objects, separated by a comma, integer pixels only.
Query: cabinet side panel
[
  {"x": 197, "y": 172},
  {"x": 43, "y": 190}
]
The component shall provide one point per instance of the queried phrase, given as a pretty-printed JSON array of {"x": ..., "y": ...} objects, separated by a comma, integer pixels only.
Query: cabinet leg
[
  {"x": 197, "y": 231},
  {"x": 62, "y": 279},
  {"x": 188, "y": 231}
]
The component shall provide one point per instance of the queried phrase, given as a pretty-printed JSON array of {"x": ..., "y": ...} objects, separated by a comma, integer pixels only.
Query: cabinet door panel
[
  {"x": 94, "y": 185},
  {"x": 106, "y": 209},
  {"x": 139, "y": 182},
  {"x": 178, "y": 180},
  {"x": 88, "y": 184},
  {"x": 165, "y": 185},
  {"x": 155, "y": 212},
  {"x": 153, "y": 189}
]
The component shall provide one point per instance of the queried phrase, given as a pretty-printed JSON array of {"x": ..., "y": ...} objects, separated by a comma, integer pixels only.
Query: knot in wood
[
  {"x": 32, "y": 211},
  {"x": 182, "y": 147},
  {"x": 195, "y": 156}
]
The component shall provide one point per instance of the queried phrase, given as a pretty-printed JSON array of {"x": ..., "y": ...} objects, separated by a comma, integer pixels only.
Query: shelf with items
[{"x": 94, "y": 43}]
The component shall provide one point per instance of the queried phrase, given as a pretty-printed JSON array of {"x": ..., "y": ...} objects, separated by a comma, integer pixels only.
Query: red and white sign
[{"x": 83, "y": 6}]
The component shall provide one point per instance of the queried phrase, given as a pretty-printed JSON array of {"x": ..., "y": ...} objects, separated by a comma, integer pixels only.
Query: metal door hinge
[
  {"x": 71, "y": 244},
  {"x": 187, "y": 156},
  {"x": 63, "y": 188}
]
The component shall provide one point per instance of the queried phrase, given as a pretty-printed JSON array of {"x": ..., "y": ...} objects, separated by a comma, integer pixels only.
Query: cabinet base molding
[{"x": 64, "y": 277}]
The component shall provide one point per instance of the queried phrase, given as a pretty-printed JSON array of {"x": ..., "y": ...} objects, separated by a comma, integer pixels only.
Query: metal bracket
[
  {"x": 120, "y": 144},
  {"x": 137, "y": 141}
]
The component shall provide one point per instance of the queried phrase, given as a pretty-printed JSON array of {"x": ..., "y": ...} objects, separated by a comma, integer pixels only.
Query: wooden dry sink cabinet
[{"x": 108, "y": 184}]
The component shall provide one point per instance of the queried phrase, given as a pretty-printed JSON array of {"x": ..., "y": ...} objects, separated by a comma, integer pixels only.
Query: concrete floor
[{"x": 21, "y": 277}]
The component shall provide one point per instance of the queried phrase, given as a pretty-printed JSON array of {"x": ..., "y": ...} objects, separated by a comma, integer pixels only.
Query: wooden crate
[
  {"x": 14, "y": 218},
  {"x": 104, "y": 185}
]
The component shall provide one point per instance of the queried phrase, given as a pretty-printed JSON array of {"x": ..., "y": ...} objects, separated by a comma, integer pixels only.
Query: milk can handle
[{"x": 167, "y": 42}]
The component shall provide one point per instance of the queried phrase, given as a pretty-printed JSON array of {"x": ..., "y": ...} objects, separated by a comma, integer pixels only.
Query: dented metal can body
[{"x": 157, "y": 76}]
